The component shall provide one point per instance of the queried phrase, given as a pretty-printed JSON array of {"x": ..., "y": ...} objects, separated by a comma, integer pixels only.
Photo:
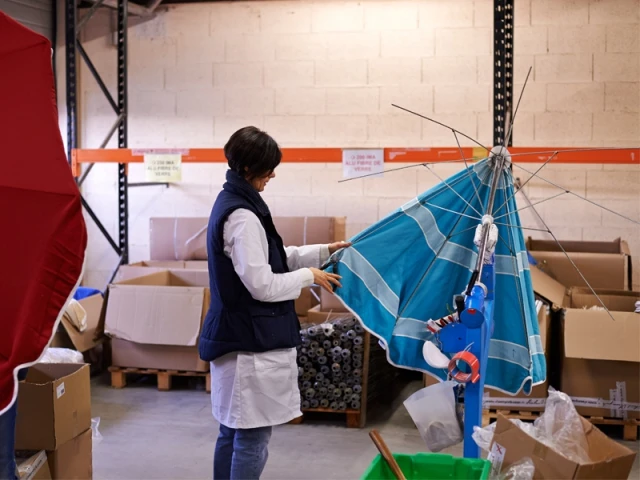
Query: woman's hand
[
  {"x": 334, "y": 247},
  {"x": 325, "y": 280}
]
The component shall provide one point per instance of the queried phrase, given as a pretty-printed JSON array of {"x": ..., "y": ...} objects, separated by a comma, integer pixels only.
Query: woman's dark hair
[{"x": 252, "y": 153}]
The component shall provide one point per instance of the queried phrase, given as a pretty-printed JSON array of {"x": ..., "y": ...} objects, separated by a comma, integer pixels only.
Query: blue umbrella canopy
[{"x": 406, "y": 269}]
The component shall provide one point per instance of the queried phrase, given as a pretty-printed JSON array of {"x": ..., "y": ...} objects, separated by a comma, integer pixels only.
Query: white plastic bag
[
  {"x": 96, "y": 436},
  {"x": 433, "y": 410},
  {"x": 61, "y": 355}
]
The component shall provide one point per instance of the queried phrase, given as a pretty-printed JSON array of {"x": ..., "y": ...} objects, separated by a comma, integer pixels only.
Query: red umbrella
[{"x": 43, "y": 235}]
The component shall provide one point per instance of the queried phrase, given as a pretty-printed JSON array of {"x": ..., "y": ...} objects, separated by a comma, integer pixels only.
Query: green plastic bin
[{"x": 429, "y": 466}]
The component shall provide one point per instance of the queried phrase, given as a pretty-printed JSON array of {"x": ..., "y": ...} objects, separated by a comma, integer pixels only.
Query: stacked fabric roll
[{"x": 330, "y": 365}]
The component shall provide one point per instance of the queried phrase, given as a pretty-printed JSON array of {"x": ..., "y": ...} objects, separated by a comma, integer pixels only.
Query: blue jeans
[
  {"x": 8, "y": 438},
  {"x": 7, "y": 442},
  {"x": 241, "y": 454}
]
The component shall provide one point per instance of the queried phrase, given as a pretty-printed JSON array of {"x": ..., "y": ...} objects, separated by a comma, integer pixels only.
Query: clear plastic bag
[
  {"x": 96, "y": 436},
  {"x": 433, "y": 410},
  {"x": 61, "y": 355},
  {"x": 522, "y": 470},
  {"x": 559, "y": 427}
]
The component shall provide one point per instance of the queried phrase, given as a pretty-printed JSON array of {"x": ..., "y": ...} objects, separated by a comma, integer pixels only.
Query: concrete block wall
[{"x": 324, "y": 73}]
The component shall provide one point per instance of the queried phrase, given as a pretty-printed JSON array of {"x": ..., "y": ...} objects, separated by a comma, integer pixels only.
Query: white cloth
[{"x": 251, "y": 390}]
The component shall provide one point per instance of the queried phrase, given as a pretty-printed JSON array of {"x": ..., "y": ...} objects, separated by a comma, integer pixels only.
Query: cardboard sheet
[{"x": 69, "y": 337}]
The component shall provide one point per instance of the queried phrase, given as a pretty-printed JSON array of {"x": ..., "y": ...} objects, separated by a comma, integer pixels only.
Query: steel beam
[
  {"x": 502, "y": 70},
  {"x": 123, "y": 190}
]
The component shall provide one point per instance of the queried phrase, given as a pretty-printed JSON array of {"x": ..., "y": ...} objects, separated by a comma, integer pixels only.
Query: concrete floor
[{"x": 147, "y": 434}]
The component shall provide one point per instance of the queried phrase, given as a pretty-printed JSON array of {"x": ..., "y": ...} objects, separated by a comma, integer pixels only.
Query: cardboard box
[
  {"x": 140, "y": 269},
  {"x": 603, "y": 264},
  {"x": 73, "y": 460},
  {"x": 155, "y": 320},
  {"x": 34, "y": 467},
  {"x": 309, "y": 298},
  {"x": 601, "y": 357},
  {"x": 298, "y": 231},
  {"x": 610, "y": 459},
  {"x": 68, "y": 336},
  {"x": 598, "y": 359},
  {"x": 536, "y": 400},
  {"x": 184, "y": 238},
  {"x": 54, "y": 405},
  {"x": 162, "y": 357}
]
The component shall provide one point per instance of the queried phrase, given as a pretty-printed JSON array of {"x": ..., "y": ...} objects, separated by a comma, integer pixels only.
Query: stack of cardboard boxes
[
  {"x": 590, "y": 356},
  {"x": 595, "y": 355},
  {"x": 54, "y": 422},
  {"x": 155, "y": 309}
]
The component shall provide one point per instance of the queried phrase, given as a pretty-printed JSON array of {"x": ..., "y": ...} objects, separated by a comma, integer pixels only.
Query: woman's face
[{"x": 259, "y": 183}]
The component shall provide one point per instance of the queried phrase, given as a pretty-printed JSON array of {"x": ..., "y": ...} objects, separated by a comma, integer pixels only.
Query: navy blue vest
[{"x": 236, "y": 322}]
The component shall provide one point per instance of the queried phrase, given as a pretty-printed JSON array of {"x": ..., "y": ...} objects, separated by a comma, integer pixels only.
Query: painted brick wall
[{"x": 325, "y": 73}]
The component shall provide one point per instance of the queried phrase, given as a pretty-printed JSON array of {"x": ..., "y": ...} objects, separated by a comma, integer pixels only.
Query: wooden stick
[{"x": 386, "y": 454}]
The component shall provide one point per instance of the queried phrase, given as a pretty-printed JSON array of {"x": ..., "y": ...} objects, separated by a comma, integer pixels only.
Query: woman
[{"x": 251, "y": 329}]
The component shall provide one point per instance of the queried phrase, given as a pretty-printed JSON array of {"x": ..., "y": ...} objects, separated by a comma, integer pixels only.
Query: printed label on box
[
  {"x": 163, "y": 167},
  {"x": 358, "y": 163},
  {"x": 60, "y": 390},
  {"x": 496, "y": 457}
]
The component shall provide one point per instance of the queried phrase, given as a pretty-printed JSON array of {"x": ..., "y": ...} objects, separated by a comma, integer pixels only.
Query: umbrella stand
[{"x": 468, "y": 340}]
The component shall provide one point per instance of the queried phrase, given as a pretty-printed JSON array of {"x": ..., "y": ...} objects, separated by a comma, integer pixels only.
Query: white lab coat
[{"x": 251, "y": 390}]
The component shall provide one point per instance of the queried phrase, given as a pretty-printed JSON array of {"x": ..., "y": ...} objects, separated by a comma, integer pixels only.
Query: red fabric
[{"x": 42, "y": 232}]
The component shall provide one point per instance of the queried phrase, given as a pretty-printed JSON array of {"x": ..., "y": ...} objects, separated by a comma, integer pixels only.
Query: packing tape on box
[
  {"x": 617, "y": 402},
  {"x": 489, "y": 402}
]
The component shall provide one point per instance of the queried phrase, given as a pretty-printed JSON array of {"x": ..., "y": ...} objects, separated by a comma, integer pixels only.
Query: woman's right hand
[{"x": 325, "y": 279}]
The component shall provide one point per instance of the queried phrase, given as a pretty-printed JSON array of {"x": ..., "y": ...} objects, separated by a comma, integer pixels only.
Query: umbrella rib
[
  {"x": 390, "y": 170},
  {"x": 516, "y": 278},
  {"x": 580, "y": 196},
  {"x": 521, "y": 228},
  {"x": 578, "y": 270},
  {"x": 433, "y": 260},
  {"x": 513, "y": 119},
  {"x": 475, "y": 189},
  {"x": 531, "y": 205},
  {"x": 452, "y": 211},
  {"x": 450, "y": 188},
  {"x": 527, "y": 181},
  {"x": 441, "y": 124}
]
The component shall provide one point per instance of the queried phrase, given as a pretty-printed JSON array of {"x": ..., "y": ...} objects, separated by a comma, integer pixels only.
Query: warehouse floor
[{"x": 150, "y": 434}]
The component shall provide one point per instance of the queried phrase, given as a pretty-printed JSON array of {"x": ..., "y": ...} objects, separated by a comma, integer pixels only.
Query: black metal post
[
  {"x": 123, "y": 194},
  {"x": 71, "y": 73},
  {"x": 502, "y": 69}
]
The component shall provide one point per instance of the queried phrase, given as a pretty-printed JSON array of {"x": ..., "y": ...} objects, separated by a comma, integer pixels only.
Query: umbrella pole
[{"x": 477, "y": 316}]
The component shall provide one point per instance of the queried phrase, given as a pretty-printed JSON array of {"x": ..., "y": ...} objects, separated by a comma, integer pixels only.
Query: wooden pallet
[
  {"x": 629, "y": 427},
  {"x": 488, "y": 416},
  {"x": 119, "y": 376},
  {"x": 355, "y": 418}
]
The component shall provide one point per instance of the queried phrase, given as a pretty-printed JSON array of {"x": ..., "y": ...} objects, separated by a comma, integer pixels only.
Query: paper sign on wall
[
  {"x": 163, "y": 167},
  {"x": 357, "y": 163}
]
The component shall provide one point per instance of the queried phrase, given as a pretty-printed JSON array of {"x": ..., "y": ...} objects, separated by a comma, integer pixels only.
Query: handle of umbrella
[
  {"x": 386, "y": 454},
  {"x": 471, "y": 360}
]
